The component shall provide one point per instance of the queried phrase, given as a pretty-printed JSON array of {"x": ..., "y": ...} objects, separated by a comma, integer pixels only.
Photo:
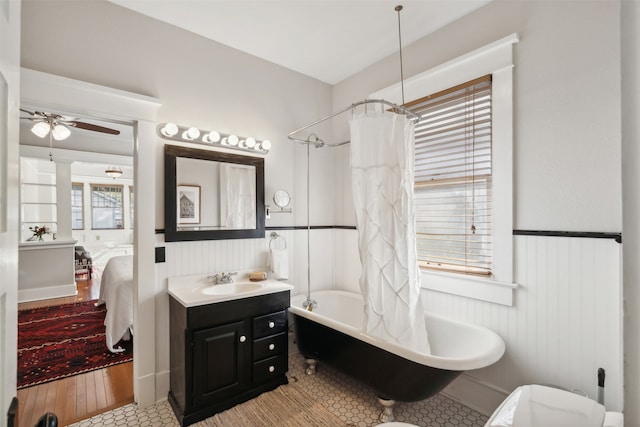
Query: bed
[{"x": 116, "y": 292}]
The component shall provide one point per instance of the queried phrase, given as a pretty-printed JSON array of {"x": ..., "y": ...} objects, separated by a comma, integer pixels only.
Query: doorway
[{"x": 67, "y": 95}]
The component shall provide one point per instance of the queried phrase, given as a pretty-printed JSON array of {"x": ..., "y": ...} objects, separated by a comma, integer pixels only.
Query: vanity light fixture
[
  {"x": 191, "y": 134},
  {"x": 113, "y": 172},
  {"x": 230, "y": 140},
  {"x": 169, "y": 129},
  {"x": 211, "y": 137},
  {"x": 174, "y": 132}
]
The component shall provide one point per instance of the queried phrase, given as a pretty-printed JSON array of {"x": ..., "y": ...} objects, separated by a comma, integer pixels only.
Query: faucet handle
[{"x": 214, "y": 279}]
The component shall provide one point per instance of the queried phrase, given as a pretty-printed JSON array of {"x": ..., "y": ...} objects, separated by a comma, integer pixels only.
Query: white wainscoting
[
  {"x": 215, "y": 256},
  {"x": 566, "y": 321},
  {"x": 564, "y": 325},
  {"x": 567, "y": 318}
]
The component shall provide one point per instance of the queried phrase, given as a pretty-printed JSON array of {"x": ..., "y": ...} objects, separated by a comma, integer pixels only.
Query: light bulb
[
  {"x": 60, "y": 132},
  {"x": 170, "y": 129},
  {"x": 41, "y": 129},
  {"x": 230, "y": 140},
  {"x": 250, "y": 142},
  {"x": 212, "y": 136},
  {"x": 191, "y": 134},
  {"x": 265, "y": 145}
]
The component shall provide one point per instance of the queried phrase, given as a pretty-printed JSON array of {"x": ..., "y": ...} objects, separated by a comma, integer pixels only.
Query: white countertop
[{"x": 191, "y": 291}]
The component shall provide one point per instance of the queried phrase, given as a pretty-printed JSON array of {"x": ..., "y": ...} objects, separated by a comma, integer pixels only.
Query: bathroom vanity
[{"x": 228, "y": 345}]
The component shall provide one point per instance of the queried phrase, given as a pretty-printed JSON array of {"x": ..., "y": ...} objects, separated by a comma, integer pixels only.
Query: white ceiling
[{"x": 329, "y": 40}]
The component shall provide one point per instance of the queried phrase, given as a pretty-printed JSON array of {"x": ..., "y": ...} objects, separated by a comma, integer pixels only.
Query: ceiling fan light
[
  {"x": 113, "y": 172},
  {"x": 60, "y": 132},
  {"x": 40, "y": 129}
]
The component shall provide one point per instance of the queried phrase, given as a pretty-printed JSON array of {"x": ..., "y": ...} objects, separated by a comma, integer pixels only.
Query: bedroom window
[
  {"x": 106, "y": 207},
  {"x": 453, "y": 179},
  {"x": 77, "y": 206}
]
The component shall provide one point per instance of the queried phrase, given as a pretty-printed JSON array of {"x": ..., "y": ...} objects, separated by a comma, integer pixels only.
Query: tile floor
[{"x": 350, "y": 400}]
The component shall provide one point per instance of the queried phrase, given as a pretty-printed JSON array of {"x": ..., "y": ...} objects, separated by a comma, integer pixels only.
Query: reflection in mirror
[
  {"x": 212, "y": 195},
  {"x": 215, "y": 195}
]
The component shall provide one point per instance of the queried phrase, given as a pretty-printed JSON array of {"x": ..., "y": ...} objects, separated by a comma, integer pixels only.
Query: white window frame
[{"x": 496, "y": 59}]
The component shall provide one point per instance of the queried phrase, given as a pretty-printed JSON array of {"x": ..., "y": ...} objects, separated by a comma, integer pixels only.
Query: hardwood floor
[{"x": 81, "y": 396}]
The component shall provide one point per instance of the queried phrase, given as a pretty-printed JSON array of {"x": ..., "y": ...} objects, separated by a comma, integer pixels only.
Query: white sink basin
[
  {"x": 197, "y": 290},
  {"x": 231, "y": 288}
]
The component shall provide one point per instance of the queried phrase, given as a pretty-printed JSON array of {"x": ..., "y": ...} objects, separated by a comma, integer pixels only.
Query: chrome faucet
[
  {"x": 226, "y": 278},
  {"x": 221, "y": 278}
]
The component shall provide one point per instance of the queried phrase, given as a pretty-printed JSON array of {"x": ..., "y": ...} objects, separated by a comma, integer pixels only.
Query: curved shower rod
[{"x": 320, "y": 143}]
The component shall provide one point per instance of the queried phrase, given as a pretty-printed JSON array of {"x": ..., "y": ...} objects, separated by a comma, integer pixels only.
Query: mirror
[
  {"x": 212, "y": 195},
  {"x": 281, "y": 198}
]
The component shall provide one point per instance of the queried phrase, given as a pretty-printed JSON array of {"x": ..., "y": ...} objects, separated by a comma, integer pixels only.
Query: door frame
[{"x": 61, "y": 93}]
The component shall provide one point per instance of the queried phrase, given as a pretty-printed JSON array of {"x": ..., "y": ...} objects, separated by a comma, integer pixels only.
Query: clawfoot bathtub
[{"x": 332, "y": 333}]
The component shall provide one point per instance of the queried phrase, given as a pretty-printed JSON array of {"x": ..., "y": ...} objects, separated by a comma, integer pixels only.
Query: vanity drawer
[
  {"x": 270, "y": 368},
  {"x": 269, "y": 324},
  {"x": 270, "y": 346}
]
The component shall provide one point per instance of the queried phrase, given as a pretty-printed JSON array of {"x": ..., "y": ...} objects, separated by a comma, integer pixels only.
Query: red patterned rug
[{"x": 64, "y": 340}]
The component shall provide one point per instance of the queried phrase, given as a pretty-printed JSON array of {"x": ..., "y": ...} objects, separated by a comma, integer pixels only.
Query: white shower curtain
[
  {"x": 238, "y": 197},
  {"x": 382, "y": 165}
]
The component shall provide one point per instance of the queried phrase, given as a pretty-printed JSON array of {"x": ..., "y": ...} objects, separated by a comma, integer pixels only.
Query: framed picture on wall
[{"x": 188, "y": 204}]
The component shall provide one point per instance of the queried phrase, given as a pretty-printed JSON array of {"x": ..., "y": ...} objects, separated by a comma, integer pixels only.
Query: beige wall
[
  {"x": 200, "y": 83},
  {"x": 567, "y": 157},
  {"x": 566, "y": 105}
]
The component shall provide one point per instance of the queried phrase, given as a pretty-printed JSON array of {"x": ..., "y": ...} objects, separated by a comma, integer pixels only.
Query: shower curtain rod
[{"x": 319, "y": 142}]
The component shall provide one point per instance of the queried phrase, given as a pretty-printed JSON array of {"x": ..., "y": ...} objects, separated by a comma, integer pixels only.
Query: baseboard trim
[
  {"x": 475, "y": 394},
  {"x": 162, "y": 385},
  {"x": 145, "y": 390},
  {"x": 37, "y": 294}
]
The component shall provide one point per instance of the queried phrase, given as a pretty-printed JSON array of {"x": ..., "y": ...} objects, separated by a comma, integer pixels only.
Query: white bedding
[{"x": 116, "y": 291}]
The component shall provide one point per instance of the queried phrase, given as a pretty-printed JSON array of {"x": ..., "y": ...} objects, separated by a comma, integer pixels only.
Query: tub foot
[
  {"x": 387, "y": 415},
  {"x": 311, "y": 366}
]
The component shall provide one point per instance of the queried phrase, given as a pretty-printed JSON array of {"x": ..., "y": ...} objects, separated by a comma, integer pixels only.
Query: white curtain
[
  {"x": 382, "y": 165},
  {"x": 238, "y": 201}
]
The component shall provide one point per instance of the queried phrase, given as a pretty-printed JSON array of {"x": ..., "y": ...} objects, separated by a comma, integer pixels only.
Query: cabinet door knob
[
  {"x": 272, "y": 346},
  {"x": 272, "y": 324},
  {"x": 243, "y": 338},
  {"x": 272, "y": 368}
]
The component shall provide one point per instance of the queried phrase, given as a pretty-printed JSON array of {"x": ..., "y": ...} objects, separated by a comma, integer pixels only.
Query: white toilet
[
  {"x": 539, "y": 406},
  {"x": 542, "y": 406}
]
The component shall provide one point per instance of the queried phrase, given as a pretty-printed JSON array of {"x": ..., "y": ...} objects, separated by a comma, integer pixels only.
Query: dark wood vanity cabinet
[{"x": 226, "y": 353}]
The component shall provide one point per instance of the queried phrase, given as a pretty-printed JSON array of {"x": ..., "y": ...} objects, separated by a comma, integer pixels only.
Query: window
[
  {"x": 106, "y": 207},
  {"x": 37, "y": 195},
  {"x": 77, "y": 206},
  {"x": 453, "y": 179},
  {"x": 494, "y": 59}
]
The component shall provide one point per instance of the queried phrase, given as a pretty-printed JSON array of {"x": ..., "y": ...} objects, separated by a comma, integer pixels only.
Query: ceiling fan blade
[
  {"x": 27, "y": 111},
  {"x": 95, "y": 128}
]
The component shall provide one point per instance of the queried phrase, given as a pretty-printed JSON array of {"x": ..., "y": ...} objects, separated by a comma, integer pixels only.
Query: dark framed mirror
[{"x": 212, "y": 195}]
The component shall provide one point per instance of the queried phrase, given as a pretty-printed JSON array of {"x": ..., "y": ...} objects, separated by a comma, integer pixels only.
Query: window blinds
[{"x": 453, "y": 178}]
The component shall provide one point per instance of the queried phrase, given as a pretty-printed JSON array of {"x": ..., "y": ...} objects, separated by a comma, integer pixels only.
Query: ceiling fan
[{"x": 59, "y": 125}]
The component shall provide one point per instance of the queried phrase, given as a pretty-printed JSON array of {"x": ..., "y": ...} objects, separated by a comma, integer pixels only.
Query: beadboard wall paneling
[
  {"x": 565, "y": 324},
  {"x": 566, "y": 321},
  {"x": 214, "y": 256}
]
